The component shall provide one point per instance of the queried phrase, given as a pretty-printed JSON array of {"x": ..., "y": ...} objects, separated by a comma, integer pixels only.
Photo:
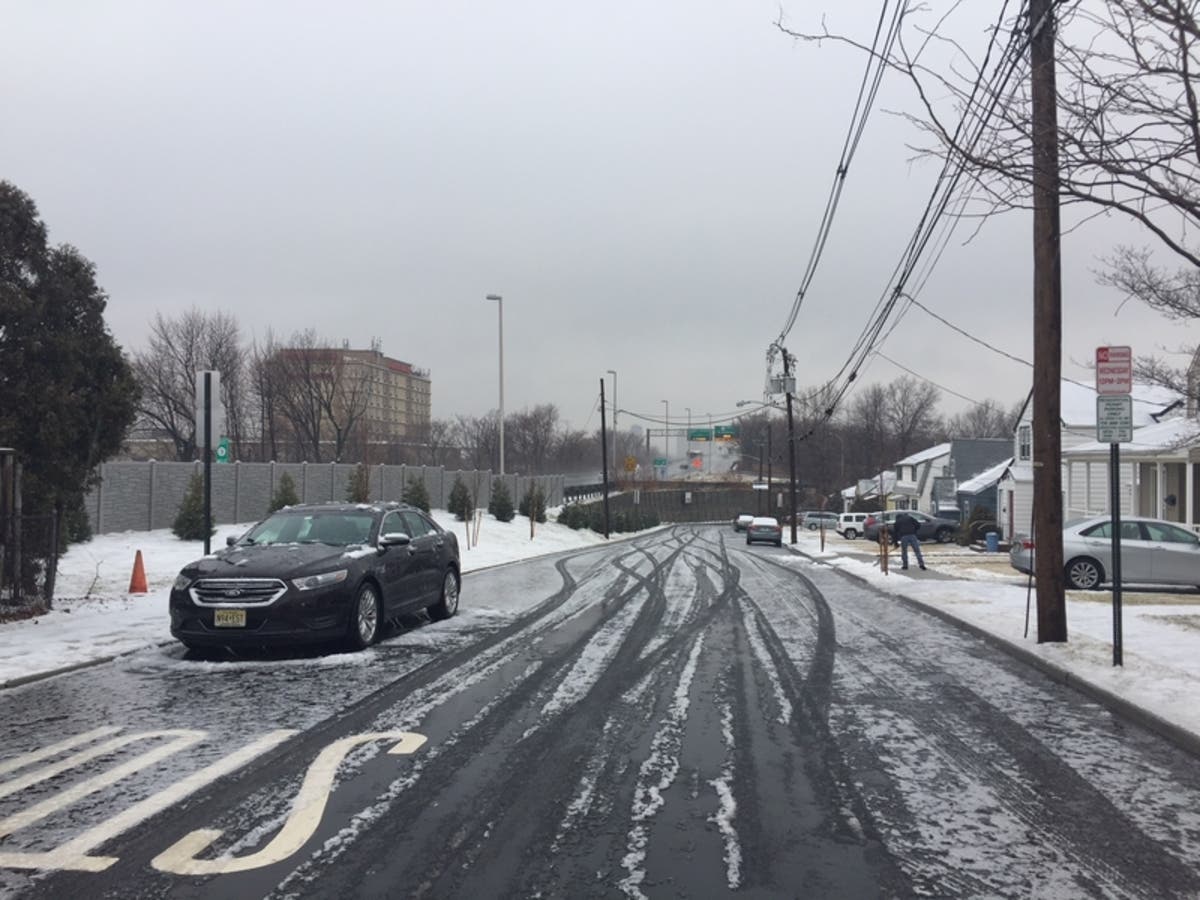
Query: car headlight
[
  {"x": 182, "y": 582},
  {"x": 312, "y": 582}
]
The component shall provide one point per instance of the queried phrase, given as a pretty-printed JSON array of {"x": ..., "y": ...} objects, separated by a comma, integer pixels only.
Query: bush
[
  {"x": 359, "y": 488},
  {"x": 285, "y": 493},
  {"x": 189, "y": 523},
  {"x": 501, "y": 505},
  {"x": 574, "y": 516},
  {"x": 416, "y": 494},
  {"x": 533, "y": 504},
  {"x": 460, "y": 502}
]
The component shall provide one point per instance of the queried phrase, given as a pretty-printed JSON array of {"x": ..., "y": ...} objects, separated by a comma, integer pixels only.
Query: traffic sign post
[
  {"x": 1114, "y": 424},
  {"x": 222, "y": 452},
  {"x": 699, "y": 434}
]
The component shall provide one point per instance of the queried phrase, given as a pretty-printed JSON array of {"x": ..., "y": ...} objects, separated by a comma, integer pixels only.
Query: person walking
[{"x": 905, "y": 528}]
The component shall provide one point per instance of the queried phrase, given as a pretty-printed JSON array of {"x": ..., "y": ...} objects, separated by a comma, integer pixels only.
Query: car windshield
[{"x": 336, "y": 528}]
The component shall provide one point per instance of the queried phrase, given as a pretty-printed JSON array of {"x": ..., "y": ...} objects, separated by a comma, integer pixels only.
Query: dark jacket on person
[{"x": 905, "y": 524}]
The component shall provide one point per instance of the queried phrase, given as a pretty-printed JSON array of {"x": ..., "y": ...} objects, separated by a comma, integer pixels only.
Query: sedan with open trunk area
[{"x": 318, "y": 573}]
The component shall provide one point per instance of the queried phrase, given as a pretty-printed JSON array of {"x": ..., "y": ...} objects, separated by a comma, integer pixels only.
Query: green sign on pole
[
  {"x": 726, "y": 432},
  {"x": 222, "y": 451},
  {"x": 660, "y": 461},
  {"x": 699, "y": 434}
]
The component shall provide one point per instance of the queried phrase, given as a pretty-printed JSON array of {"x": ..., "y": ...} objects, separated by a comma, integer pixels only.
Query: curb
[
  {"x": 1183, "y": 738},
  {"x": 75, "y": 667}
]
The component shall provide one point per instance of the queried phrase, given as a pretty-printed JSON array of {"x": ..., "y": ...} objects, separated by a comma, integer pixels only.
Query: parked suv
[
  {"x": 314, "y": 573},
  {"x": 814, "y": 519},
  {"x": 850, "y": 524}
]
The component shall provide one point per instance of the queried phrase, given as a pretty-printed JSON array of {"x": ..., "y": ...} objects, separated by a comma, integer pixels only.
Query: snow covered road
[{"x": 680, "y": 715}]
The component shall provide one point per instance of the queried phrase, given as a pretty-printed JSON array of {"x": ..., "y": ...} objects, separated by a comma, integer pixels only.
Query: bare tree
[
  {"x": 1128, "y": 74},
  {"x": 166, "y": 372},
  {"x": 531, "y": 434},
  {"x": 911, "y": 414},
  {"x": 987, "y": 419},
  {"x": 479, "y": 439}
]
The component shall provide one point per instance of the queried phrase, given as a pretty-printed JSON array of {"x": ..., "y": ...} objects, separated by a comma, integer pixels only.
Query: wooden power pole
[{"x": 1047, "y": 332}]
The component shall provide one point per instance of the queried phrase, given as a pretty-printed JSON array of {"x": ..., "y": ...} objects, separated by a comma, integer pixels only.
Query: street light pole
[
  {"x": 667, "y": 434},
  {"x": 613, "y": 373},
  {"x": 688, "y": 435},
  {"x": 500, "y": 309},
  {"x": 712, "y": 444}
]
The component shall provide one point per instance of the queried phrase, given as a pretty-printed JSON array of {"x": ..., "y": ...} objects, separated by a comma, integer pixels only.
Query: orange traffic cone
[{"x": 137, "y": 582}]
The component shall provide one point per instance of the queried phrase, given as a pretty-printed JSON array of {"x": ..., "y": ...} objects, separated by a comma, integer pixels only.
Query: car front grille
[{"x": 237, "y": 591}]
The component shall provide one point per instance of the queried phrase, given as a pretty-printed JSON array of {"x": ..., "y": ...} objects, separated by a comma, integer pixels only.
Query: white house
[
  {"x": 1078, "y": 424},
  {"x": 915, "y": 474},
  {"x": 1157, "y": 475}
]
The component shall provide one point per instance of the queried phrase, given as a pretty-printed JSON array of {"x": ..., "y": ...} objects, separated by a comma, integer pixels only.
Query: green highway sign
[
  {"x": 726, "y": 432},
  {"x": 660, "y": 461},
  {"x": 699, "y": 434}
]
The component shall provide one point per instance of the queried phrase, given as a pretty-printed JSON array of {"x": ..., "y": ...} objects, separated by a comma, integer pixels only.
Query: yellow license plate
[{"x": 229, "y": 618}]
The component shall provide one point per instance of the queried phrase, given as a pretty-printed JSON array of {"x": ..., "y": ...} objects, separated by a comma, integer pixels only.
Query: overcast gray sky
[{"x": 642, "y": 183}]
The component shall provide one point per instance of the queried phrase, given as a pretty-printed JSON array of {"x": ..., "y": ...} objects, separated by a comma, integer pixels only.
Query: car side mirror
[
  {"x": 230, "y": 540},
  {"x": 394, "y": 539}
]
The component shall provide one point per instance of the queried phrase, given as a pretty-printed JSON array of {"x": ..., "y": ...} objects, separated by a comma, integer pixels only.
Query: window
[
  {"x": 1169, "y": 534},
  {"x": 1025, "y": 442}
]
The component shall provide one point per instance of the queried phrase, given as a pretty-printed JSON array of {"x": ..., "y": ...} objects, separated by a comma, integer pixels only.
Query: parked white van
[{"x": 850, "y": 524}]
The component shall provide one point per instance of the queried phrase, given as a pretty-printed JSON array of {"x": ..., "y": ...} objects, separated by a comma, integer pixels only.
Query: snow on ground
[{"x": 96, "y": 618}]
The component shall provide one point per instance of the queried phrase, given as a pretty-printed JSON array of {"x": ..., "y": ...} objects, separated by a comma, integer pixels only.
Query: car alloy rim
[
  {"x": 450, "y": 592},
  {"x": 1085, "y": 575},
  {"x": 368, "y": 615}
]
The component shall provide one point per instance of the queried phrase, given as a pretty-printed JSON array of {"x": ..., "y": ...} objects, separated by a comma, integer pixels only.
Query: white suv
[{"x": 850, "y": 524}]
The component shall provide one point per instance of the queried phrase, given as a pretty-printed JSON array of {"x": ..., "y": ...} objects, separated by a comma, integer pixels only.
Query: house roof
[
  {"x": 889, "y": 484},
  {"x": 1172, "y": 436},
  {"x": 925, "y": 455},
  {"x": 1077, "y": 403},
  {"x": 984, "y": 479}
]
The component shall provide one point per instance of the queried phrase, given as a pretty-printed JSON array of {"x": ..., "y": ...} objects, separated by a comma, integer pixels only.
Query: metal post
[
  {"x": 1114, "y": 502},
  {"x": 604, "y": 457},
  {"x": 500, "y": 311},
  {"x": 207, "y": 462},
  {"x": 791, "y": 447},
  {"x": 615, "y": 462}
]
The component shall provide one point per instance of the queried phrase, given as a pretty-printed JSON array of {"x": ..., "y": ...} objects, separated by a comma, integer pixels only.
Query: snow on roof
[
  {"x": 925, "y": 455},
  {"x": 889, "y": 483},
  {"x": 1078, "y": 403},
  {"x": 1173, "y": 435},
  {"x": 984, "y": 479}
]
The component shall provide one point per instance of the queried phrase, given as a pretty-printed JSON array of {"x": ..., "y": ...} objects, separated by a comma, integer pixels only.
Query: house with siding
[
  {"x": 915, "y": 474},
  {"x": 1077, "y": 428}
]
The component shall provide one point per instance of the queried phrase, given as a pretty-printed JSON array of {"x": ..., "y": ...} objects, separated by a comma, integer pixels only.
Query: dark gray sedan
[
  {"x": 1153, "y": 551},
  {"x": 929, "y": 528}
]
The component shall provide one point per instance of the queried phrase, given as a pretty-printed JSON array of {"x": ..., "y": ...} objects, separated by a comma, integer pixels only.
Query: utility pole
[
  {"x": 1047, "y": 331},
  {"x": 787, "y": 371}
]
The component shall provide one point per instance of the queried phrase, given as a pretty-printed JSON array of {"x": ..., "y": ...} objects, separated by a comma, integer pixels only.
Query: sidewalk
[{"x": 1158, "y": 684}]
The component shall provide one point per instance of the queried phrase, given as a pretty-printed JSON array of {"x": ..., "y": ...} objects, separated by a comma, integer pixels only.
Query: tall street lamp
[
  {"x": 500, "y": 309},
  {"x": 712, "y": 445},
  {"x": 688, "y": 435},
  {"x": 613, "y": 373}
]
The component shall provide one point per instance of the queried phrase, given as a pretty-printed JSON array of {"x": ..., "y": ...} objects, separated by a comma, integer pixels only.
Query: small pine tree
[
  {"x": 460, "y": 502},
  {"x": 189, "y": 522},
  {"x": 285, "y": 493},
  {"x": 416, "y": 494},
  {"x": 358, "y": 490},
  {"x": 501, "y": 505},
  {"x": 533, "y": 504}
]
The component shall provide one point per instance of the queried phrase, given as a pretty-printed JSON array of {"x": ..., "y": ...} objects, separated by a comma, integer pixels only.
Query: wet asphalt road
[{"x": 677, "y": 716}]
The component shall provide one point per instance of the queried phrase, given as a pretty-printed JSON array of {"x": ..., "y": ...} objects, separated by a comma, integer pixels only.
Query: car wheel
[
  {"x": 364, "y": 618},
  {"x": 779, "y": 543},
  {"x": 1084, "y": 574},
  {"x": 812, "y": 527},
  {"x": 850, "y": 534},
  {"x": 944, "y": 535},
  {"x": 447, "y": 604}
]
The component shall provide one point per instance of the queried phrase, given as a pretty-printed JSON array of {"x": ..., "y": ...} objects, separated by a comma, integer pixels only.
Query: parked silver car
[{"x": 1152, "y": 552}]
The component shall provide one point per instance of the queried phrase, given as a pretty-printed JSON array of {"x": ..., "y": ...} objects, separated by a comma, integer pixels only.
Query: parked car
[
  {"x": 765, "y": 529},
  {"x": 814, "y": 519},
  {"x": 742, "y": 522},
  {"x": 850, "y": 524},
  {"x": 929, "y": 528},
  {"x": 315, "y": 573},
  {"x": 1152, "y": 552}
]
